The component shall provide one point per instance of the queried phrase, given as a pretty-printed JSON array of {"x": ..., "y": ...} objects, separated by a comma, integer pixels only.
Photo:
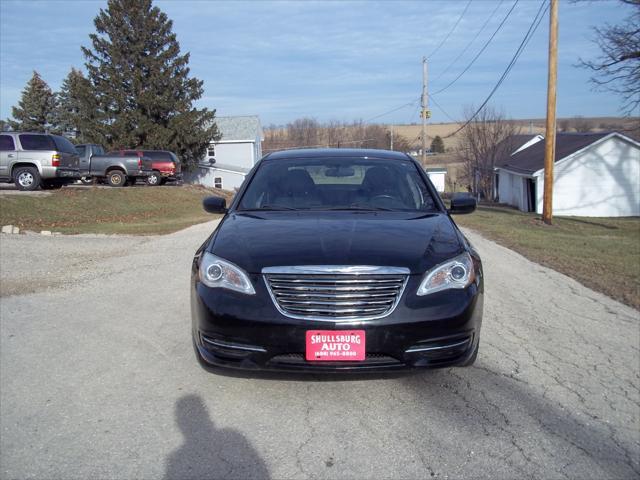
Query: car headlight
[
  {"x": 455, "y": 273},
  {"x": 218, "y": 273}
]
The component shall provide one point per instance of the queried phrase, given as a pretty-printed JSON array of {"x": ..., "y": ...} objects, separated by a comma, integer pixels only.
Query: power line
[
  {"x": 391, "y": 111},
  {"x": 450, "y": 31},
  {"x": 532, "y": 29},
  {"x": 464, "y": 50},
  {"x": 484, "y": 47},
  {"x": 442, "y": 110}
]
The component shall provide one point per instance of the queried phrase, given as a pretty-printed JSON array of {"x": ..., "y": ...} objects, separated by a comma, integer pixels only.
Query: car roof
[{"x": 336, "y": 153}]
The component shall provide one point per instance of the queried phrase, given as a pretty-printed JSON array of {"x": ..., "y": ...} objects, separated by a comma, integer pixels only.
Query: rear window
[
  {"x": 6, "y": 143},
  {"x": 158, "y": 155},
  {"x": 37, "y": 142},
  {"x": 64, "y": 145}
]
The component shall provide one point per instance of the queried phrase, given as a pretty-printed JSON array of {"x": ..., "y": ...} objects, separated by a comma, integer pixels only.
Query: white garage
[{"x": 595, "y": 175}]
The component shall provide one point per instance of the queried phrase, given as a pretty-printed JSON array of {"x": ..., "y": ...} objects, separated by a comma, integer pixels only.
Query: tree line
[{"x": 137, "y": 92}]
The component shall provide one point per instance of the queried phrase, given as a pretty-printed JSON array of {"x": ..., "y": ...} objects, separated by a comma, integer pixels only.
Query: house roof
[
  {"x": 531, "y": 159},
  {"x": 510, "y": 144},
  {"x": 236, "y": 129}
]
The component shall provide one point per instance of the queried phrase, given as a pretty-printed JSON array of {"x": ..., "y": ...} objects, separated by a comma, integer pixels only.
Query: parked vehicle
[
  {"x": 32, "y": 160},
  {"x": 165, "y": 164},
  {"x": 337, "y": 260},
  {"x": 116, "y": 170}
]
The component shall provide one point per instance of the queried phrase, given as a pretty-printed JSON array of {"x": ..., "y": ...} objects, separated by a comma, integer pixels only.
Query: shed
[
  {"x": 229, "y": 159},
  {"x": 595, "y": 175},
  {"x": 437, "y": 177}
]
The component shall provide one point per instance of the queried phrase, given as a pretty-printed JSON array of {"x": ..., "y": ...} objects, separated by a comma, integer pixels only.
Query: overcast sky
[{"x": 333, "y": 60}]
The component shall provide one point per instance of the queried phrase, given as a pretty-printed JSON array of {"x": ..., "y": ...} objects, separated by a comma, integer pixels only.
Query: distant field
[
  {"x": 129, "y": 210},
  {"x": 601, "y": 253}
]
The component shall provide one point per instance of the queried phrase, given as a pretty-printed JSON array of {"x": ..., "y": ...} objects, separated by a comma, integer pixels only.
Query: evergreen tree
[
  {"x": 35, "y": 108},
  {"x": 75, "y": 112},
  {"x": 142, "y": 86},
  {"x": 437, "y": 145}
]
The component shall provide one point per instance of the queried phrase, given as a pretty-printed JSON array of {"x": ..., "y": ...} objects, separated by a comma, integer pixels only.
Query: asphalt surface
[{"x": 98, "y": 380}]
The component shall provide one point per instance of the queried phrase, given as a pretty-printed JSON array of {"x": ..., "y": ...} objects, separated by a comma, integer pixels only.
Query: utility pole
[
  {"x": 550, "y": 135},
  {"x": 391, "y": 138},
  {"x": 425, "y": 111}
]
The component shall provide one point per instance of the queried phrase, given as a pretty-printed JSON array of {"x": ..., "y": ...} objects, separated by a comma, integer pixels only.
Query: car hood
[{"x": 254, "y": 240}]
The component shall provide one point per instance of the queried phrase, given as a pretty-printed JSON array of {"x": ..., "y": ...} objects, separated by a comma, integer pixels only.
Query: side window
[
  {"x": 36, "y": 142},
  {"x": 82, "y": 150},
  {"x": 6, "y": 143},
  {"x": 217, "y": 182},
  {"x": 212, "y": 150}
]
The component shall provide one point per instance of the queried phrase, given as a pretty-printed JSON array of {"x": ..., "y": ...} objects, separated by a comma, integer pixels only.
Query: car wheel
[
  {"x": 116, "y": 178},
  {"x": 154, "y": 179},
  {"x": 86, "y": 180},
  {"x": 26, "y": 178}
]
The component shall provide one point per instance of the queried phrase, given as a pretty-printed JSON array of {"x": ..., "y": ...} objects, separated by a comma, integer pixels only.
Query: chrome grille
[{"x": 336, "y": 296}]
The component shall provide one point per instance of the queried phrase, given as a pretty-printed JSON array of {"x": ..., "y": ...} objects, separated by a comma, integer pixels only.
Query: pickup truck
[
  {"x": 165, "y": 164},
  {"x": 116, "y": 170}
]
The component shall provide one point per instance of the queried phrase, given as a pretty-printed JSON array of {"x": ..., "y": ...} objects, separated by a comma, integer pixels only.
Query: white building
[
  {"x": 595, "y": 175},
  {"x": 437, "y": 177},
  {"x": 228, "y": 160}
]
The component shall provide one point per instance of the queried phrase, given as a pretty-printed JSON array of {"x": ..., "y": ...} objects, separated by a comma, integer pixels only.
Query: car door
[{"x": 8, "y": 155}]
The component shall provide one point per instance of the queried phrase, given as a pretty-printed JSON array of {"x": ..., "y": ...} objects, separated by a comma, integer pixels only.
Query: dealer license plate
[{"x": 335, "y": 345}]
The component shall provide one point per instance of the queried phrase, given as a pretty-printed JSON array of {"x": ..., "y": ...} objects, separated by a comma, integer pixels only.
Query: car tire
[
  {"x": 26, "y": 179},
  {"x": 154, "y": 179},
  {"x": 116, "y": 178}
]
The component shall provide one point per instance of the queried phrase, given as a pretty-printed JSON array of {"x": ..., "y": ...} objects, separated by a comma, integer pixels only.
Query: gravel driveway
[{"x": 98, "y": 380}]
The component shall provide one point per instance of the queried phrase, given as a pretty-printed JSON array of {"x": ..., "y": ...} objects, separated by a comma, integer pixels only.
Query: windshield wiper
[
  {"x": 361, "y": 208},
  {"x": 270, "y": 207}
]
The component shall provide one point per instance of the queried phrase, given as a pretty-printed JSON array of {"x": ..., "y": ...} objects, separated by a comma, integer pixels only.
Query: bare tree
[
  {"x": 482, "y": 144},
  {"x": 617, "y": 69}
]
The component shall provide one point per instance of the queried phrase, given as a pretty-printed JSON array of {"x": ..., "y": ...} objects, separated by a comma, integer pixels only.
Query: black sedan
[{"x": 337, "y": 260}]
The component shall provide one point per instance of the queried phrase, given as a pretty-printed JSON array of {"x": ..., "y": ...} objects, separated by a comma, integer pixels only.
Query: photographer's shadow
[{"x": 207, "y": 452}]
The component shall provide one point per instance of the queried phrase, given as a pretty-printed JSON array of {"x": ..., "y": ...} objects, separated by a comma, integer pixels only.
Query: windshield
[{"x": 338, "y": 184}]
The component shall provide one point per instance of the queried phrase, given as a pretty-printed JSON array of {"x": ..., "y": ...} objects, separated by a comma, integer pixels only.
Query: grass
[
  {"x": 601, "y": 253},
  {"x": 135, "y": 211}
]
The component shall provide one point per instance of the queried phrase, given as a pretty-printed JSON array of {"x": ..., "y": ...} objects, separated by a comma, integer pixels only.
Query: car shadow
[
  {"x": 209, "y": 452},
  {"x": 498, "y": 400}
]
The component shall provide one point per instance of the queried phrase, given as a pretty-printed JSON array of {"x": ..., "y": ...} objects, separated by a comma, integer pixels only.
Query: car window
[
  {"x": 64, "y": 145},
  {"x": 158, "y": 155},
  {"x": 98, "y": 150},
  {"x": 338, "y": 183},
  {"x": 81, "y": 150},
  {"x": 6, "y": 143},
  {"x": 31, "y": 141}
]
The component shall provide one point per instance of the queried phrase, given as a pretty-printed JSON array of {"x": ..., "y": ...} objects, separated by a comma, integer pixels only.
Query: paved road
[{"x": 98, "y": 380}]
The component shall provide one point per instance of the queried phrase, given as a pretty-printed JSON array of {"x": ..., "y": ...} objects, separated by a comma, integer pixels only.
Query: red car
[{"x": 165, "y": 165}]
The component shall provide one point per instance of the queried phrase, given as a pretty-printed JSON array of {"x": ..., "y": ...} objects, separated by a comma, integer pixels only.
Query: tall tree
[
  {"x": 487, "y": 139},
  {"x": 617, "y": 69},
  {"x": 35, "y": 108},
  {"x": 437, "y": 145},
  {"x": 142, "y": 86},
  {"x": 75, "y": 111}
]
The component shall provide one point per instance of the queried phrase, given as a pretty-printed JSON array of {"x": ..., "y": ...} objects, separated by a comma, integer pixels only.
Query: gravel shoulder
[{"x": 98, "y": 380}]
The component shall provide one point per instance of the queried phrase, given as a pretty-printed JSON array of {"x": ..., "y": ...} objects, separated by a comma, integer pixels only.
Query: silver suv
[{"x": 32, "y": 160}]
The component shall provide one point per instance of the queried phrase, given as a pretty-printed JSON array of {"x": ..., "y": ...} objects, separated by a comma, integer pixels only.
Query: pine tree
[
  {"x": 35, "y": 108},
  {"x": 75, "y": 111},
  {"x": 437, "y": 145},
  {"x": 142, "y": 85}
]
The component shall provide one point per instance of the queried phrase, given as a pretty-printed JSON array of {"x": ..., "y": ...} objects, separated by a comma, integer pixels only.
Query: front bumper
[{"x": 248, "y": 332}]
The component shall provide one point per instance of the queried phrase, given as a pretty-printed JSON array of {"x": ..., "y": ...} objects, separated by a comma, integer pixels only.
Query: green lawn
[
  {"x": 129, "y": 210},
  {"x": 601, "y": 253}
]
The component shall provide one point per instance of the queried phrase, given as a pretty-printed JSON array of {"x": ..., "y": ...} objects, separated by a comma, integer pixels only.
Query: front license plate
[{"x": 335, "y": 345}]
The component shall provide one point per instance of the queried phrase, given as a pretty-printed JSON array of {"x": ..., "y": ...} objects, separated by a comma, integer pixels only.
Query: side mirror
[
  {"x": 462, "y": 204},
  {"x": 215, "y": 205}
]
